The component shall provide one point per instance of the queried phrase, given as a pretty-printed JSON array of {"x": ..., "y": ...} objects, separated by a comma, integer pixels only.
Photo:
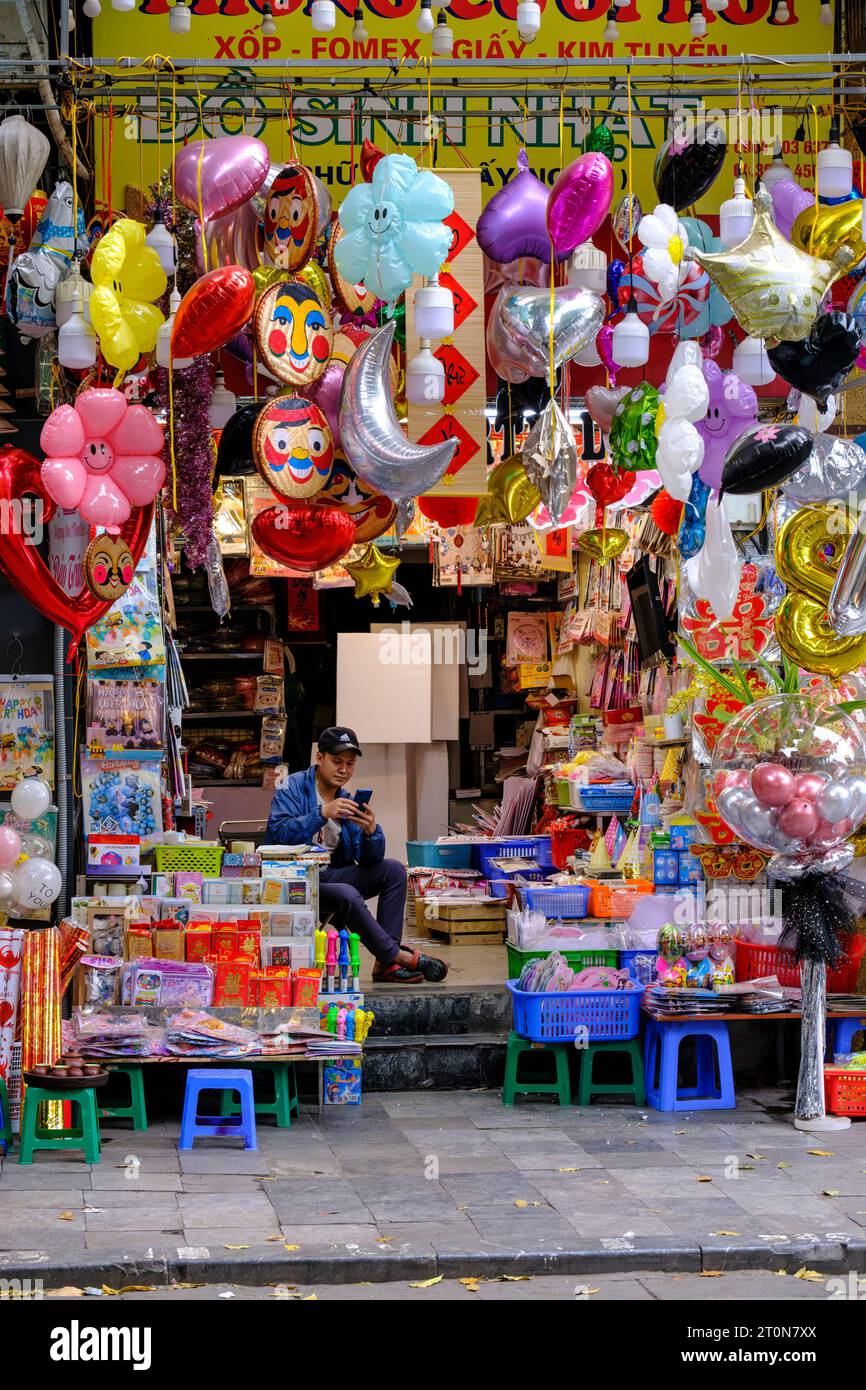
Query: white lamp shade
[
  {"x": 160, "y": 239},
  {"x": 124, "y": 6},
  {"x": 223, "y": 404},
  {"x": 778, "y": 172},
  {"x": 76, "y": 341},
  {"x": 24, "y": 152},
  {"x": 324, "y": 16},
  {"x": 736, "y": 216},
  {"x": 72, "y": 288},
  {"x": 425, "y": 379},
  {"x": 179, "y": 18},
  {"x": 434, "y": 311},
  {"x": 588, "y": 267},
  {"x": 443, "y": 41},
  {"x": 528, "y": 18},
  {"x": 631, "y": 341},
  {"x": 835, "y": 172},
  {"x": 92, "y": 8},
  {"x": 751, "y": 363}
]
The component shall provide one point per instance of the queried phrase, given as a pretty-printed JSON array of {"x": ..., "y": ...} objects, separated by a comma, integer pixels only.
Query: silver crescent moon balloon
[
  {"x": 370, "y": 432},
  {"x": 834, "y": 468},
  {"x": 846, "y": 608},
  {"x": 578, "y": 314}
]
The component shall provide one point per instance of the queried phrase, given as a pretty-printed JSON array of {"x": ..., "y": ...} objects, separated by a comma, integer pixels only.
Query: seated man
[{"x": 312, "y": 807}]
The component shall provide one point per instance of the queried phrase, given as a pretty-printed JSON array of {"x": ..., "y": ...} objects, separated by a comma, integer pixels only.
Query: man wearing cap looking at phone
[{"x": 313, "y": 807}]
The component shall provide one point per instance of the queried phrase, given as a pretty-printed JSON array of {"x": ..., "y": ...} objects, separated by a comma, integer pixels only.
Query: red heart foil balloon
[
  {"x": 304, "y": 537},
  {"x": 24, "y": 567},
  {"x": 449, "y": 511},
  {"x": 213, "y": 310},
  {"x": 370, "y": 156},
  {"x": 607, "y": 486}
]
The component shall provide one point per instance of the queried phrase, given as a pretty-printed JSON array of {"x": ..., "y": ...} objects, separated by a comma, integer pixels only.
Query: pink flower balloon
[
  {"x": 773, "y": 784},
  {"x": 579, "y": 201},
  {"x": 102, "y": 456},
  {"x": 233, "y": 168},
  {"x": 10, "y": 846}
]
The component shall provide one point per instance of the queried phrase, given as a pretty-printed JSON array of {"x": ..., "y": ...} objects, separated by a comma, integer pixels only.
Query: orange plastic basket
[
  {"x": 845, "y": 1091},
  {"x": 617, "y": 899}
]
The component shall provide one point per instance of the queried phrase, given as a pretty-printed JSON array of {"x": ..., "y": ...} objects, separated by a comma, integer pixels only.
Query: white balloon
[
  {"x": 717, "y": 573},
  {"x": 687, "y": 396},
  {"x": 31, "y": 798},
  {"x": 685, "y": 354},
  {"x": 37, "y": 883},
  {"x": 7, "y": 886},
  {"x": 679, "y": 454}
]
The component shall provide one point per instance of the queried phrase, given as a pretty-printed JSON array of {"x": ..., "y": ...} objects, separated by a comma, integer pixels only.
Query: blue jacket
[{"x": 295, "y": 819}]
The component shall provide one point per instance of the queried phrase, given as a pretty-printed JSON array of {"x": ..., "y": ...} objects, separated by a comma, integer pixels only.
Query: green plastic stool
[
  {"x": 634, "y": 1088},
  {"x": 285, "y": 1101},
  {"x": 5, "y": 1119},
  {"x": 511, "y": 1087},
  {"x": 34, "y": 1136},
  {"x": 136, "y": 1110}
]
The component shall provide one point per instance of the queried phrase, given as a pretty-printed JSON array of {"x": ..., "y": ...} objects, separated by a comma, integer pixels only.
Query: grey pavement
[{"x": 449, "y": 1182}]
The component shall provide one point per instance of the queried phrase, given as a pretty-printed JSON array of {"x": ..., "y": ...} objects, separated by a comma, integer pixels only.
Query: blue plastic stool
[
  {"x": 840, "y": 1034},
  {"x": 661, "y": 1053},
  {"x": 194, "y": 1126}
]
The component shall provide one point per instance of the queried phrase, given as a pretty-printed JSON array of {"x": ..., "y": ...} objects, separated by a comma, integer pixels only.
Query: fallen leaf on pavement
[
  {"x": 384, "y": 1240},
  {"x": 569, "y": 1170},
  {"x": 274, "y": 1237},
  {"x": 747, "y": 1167},
  {"x": 513, "y": 1278},
  {"x": 236, "y": 1247},
  {"x": 471, "y": 1284},
  {"x": 756, "y": 1155},
  {"x": 822, "y": 1153},
  {"x": 703, "y": 1177},
  {"x": 811, "y": 1274},
  {"x": 428, "y": 1283},
  {"x": 711, "y": 1274},
  {"x": 520, "y": 1202},
  {"x": 291, "y": 1247},
  {"x": 68, "y": 1291},
  {"x": 724, "y": 1233},
  {"x": 679, "y": 1131},
  {"x": 783, "y": 1273},
  {"x": 128, "y": 1288},
  {"x": 783, "y": 1165},
  {"x": 601, "y": 1182},
  {"x": 830, "y": 1192},
  {"x": 66, "y": 1216},
  {"x": 310, "y": 1298}
]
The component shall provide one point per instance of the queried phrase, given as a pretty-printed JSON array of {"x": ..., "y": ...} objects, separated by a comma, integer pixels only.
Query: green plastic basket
[
  {"x": 198, "y": 859},
  {"x": 562, "y": 792},
  {"x": 578, "y": 960}
]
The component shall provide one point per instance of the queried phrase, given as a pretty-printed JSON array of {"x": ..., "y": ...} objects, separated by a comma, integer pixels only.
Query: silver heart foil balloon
[
  {"x": 549, "y": 457},
  {"x": 524, "y": 312},
  {"x": 834, "y": 468},
  {"x": 370, "y": 432}
]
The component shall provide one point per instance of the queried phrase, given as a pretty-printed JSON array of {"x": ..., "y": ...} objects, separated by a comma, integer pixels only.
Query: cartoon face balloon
[
  {"x": 294, "y": 334},
  {"x": 108, "y": 567},
  {"x": 372, "y": 513},
  {"x": 293, "y": 447},
  {"x": 733, "y": 408},
  {"x": 291, "y": 218}
]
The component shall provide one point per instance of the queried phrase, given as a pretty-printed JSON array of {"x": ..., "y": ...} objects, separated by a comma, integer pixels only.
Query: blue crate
[
  {"x": 558, "y": 900},
  {"x": 428, "y": 854},
  {"x": 614, "y": 797},
  {"x": 641, "y": 965},
  {"x": 594, "y": 1015},
  {"x": 533, "y": 847}
]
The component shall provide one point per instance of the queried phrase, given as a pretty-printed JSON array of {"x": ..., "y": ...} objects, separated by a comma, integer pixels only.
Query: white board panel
[
  {"x": 383, "y": 700},
  {"x": 445, "y": 652}
]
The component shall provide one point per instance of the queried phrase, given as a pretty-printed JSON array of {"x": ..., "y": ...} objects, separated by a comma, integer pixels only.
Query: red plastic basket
[
  {"x": 845, "y": 1091},
  {"x": 754, "y": 961},
  {"x": 565, "y": 838}
]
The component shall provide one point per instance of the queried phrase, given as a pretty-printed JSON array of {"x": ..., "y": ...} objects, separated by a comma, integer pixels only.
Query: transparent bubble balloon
[{"x": 789, "y": 778}]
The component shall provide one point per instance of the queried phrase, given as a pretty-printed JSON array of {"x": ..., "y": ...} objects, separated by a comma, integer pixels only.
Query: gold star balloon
[
  {"x": 372, "y": 572},
  {"x": 773, "y": 287}
]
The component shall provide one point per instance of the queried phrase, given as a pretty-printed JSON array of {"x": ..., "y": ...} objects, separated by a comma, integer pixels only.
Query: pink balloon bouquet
[{"x": 579, "y": 201}]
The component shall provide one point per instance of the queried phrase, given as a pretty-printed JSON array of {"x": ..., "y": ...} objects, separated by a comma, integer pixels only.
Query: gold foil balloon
[
  {"x": 266, "y": 275},
  {"x": 822, "y": 231},
  {"x": 603, "y": 545},
  {"x": 510, "y": 496},
  {"x": 773, "y": 287},
  {"x": 809, "y": 551},
  {"x": 373, "y": 573}
]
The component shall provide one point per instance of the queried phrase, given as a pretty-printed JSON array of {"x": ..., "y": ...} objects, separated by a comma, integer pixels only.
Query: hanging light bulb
[
  {"x": 324, "y": 16},
  {"x": 426, "y": 23},
  {"x": 358, "y": 30},
  {"x": 630, "y": 343},
  {"x": 697, "y": 22},
  {"x": 269, "y": 24},
  {"x": 425, "y": 378},
  {"x": 124, "y": 6},
  {"x": 782, "y": 14},
  {"x": 164, "y": 356},
  {"x": 825, "y": 15},
  {"x": 92, "y": 8},
  {"x": 611, "y": 33},
  {"x": 528, "y": 19},
  {"x": 179, "y": 18},
  {"x": 71, "y": 19},
  {"x": 163, "y": 243},
  {"x": 717, "y": 6},
  {"x": 778, "y": 171},
  {"x": 736, "y": 216},
  {"x": 835, "y": 167},
  {"x": 76, "y": 340},
  {"x": 434, "y": 310},
  {"x": 223, "y": 403},
  {"x": 70, "y": 288},
  {"x": 588, "y": 267},
  {"x": 443, "y": 37},
  {"x": 751, "y": 363}
]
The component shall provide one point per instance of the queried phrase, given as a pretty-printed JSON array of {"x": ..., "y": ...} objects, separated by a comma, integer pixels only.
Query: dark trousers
[{"x": 343, "y": 892}]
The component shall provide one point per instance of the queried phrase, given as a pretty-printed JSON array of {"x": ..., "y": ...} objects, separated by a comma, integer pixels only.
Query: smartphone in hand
[{"x": 362, "y": 798}]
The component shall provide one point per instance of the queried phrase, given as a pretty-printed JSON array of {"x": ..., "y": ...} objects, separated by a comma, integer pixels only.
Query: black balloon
[
  {"x": 513, "y": 401},
  {"x": 765, "y": 456},
  {"x": 688, "y": 164},
  {"x": 819, "y": 364},
  {"x": 235, "y": 451}
]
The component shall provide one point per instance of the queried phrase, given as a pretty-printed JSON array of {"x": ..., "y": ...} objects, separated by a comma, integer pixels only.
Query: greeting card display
[
  {"x": 130, "y": 634},
  {"x": 26, "y": 732}
]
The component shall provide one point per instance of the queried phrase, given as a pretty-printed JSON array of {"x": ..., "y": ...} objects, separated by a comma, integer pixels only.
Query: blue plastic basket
[
  {"x": 533, "y": 873},
  {"x": 428, "y": 854},
  {"x": 641, "y": 965},
  {"x": 534, "y": 847},
  {"x": 558, "y": 900},
  {"x": 615, "y": 797},
  {"x": 591, "y": 1015}
]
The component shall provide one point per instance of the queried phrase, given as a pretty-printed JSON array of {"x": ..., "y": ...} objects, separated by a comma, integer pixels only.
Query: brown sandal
[{"x": 396, "y": 974}]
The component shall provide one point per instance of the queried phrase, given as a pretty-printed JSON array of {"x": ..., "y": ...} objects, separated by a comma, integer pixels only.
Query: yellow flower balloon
[
  {"x": 127, "y": 278},
  {"x": 373, "y": 573}
]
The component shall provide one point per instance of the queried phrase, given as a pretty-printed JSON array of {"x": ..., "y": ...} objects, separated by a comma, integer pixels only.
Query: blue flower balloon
[{"x": 393, "y": 227}]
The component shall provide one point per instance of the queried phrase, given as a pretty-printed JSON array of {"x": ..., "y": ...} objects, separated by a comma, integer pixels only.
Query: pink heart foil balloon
[
  {"x": 604, "y": 344},
  {"x": 579, "y": 201}
]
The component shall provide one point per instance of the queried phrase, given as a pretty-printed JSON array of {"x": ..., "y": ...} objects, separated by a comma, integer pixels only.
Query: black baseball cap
[{"x": 338, "y": 739}]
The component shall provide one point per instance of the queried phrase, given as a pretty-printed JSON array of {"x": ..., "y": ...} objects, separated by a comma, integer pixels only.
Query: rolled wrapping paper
[
  {"x": 11, "y": 951},
  {"x": 39, "y": 1006}
]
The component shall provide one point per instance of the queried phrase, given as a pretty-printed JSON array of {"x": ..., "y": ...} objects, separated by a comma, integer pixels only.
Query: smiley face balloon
[
  {"x": 294, "y": 333},
  {"x": 291, "y": 218},
  {"x": 293, "y": 447},
  {"x": 372, "y": 512}
]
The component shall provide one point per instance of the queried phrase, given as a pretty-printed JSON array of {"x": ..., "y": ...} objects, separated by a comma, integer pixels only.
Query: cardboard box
[
  {"x": 168, "y": 941},
  {"x": 531, "y": 675},
  {"x": 666, "y": 866},
  {"x": 690, "y": 868},
  {"x": 139, "y": 942},
  {"x": 683, "y": 833},
  {"x": 341, "y": 1082},
  {"x": 198, "y": 940}
]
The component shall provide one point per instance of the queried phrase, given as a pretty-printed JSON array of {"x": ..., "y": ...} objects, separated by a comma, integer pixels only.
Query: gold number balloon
[
  {"x": 294, "y": 333},
  {"x": 809, "y": 551}
]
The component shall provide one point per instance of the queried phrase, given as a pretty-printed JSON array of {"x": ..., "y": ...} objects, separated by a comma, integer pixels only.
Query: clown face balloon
[
  {"x": 293, "y": 447},
  {"x": 372, "y": 513},
  {"x": 291, "y": 218},
  {"x": 294, "y": 334}
]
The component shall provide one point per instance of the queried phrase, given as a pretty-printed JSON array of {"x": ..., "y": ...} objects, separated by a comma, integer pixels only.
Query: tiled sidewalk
[{"x": 445, "y": 1176}]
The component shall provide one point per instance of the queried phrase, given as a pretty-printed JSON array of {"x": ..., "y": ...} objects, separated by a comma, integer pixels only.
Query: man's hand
[
  {"x": 365, "y": 818},
  {"x": 341, "y": 808}
]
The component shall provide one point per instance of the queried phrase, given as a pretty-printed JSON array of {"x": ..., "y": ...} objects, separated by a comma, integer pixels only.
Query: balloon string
[
  {"x": 815, "y": 167},
  {"x": 432, "y": 133},
  {"x": 255, "y": 375},
  {"x": 198, "y": 180},
  {"x": 74, "y": 174},
  {"x": 629, "y": 221},
  {"x": 110, "y": 157}
]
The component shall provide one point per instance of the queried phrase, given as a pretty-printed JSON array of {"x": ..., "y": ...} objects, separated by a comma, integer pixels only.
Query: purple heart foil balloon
[
  {"x": 579, "y": 201},
  {"x": 789, "y": 200},
  {"x": 514, "y": 222},
  {"x": 325, "y": 393}
]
